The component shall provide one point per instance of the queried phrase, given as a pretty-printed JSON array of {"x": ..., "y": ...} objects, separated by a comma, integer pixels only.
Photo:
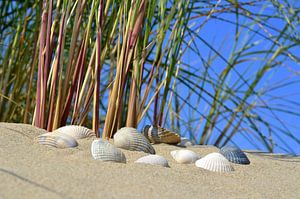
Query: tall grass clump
[{"x": 214, "y": 71}]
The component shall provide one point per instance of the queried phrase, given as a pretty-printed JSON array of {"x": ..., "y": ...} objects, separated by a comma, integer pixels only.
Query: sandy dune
[{"x": 30, "y": 170}]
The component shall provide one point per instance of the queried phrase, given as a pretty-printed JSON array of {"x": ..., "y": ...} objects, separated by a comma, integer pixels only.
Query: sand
[{"x": 30, "y": 170}]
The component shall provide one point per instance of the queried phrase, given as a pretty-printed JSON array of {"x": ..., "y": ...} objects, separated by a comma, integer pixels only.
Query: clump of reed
[{"x": 109, "y": 64}]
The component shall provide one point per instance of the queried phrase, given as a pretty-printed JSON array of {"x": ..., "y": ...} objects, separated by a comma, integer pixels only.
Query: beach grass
[{"x": 109, "y": 64}]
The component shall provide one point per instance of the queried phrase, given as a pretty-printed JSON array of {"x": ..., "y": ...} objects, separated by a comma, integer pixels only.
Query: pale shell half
[
  {"x": 57, "y": 140},
  {"x": 128, "y": 138},
  {"x": 185, "y": 156},
  {"x": 105, "y": 151},
  {"x": 77, "y": 132},
  {"x": 153, "y": 160},
  {"x": 215, "y": 162}
]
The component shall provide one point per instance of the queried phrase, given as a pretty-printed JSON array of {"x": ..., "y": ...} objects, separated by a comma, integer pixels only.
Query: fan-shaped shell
[
  {"x": 185, "y": 156},
  {"x": 234, "y": 154},
  {"x": 77, "y": 132},
  {"x": 154, "y": 160},
  {"x": 214, "y": 162},
  {"x": 156, "y": 134},
  {"x": 105, "y": 151},
  {"x": 186, "y": 142},
  {"x": 128, "y": 138},
  {"x": 57, "y": 140}
]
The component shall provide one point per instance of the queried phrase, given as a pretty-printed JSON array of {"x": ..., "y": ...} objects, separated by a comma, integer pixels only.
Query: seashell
[
  {"x": 156, "y": 134},
  {"x": 105, "y": 151},
  {"x": 185, "y": 156},
  {"x": 57, "y": 140},
  {"x": 128, "y": 138},
  {"x": 77, "y": 132},
  {"x": 154, "y": 160},
  {"x": 234, "y": 154},
  {"x": 186, "y": 142},
  {"x": 214, "y": 162}
]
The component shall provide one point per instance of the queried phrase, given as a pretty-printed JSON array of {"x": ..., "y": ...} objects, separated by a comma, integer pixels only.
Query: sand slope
[{"x": 29, "y": 170}]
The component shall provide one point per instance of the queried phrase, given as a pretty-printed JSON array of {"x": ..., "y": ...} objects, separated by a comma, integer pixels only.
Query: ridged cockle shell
[
  {"x": 128, "y": 138},
  {"x": 57, "y": 140},
  {"x": 214, "y": 162},
  {"x": 156, "y": 134},
  {"x": 105, "y": 151}
]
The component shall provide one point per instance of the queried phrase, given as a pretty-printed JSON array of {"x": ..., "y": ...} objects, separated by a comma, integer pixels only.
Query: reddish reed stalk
[
  {"x": 40, "y": 94},
  {"x": 98, "y": 71}
]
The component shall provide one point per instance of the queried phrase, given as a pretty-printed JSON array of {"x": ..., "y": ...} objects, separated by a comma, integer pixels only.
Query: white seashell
[
  {"x": 57, "y": 140},
  {"x": 185, "y": 156},
  {"x": 156, "y": 134},
  {"x": 154, "y": 160},
  {"x": 186, "y": 142},
  {"x": 77, "y": 132},
  {"x": 214, "y": 162},
  {"x": 105, "y": 151},
  {"x": 128, "y": 138}
]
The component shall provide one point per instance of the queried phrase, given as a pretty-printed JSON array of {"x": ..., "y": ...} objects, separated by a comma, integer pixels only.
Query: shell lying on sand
[
  {"x": 185, "y": 156},
  {"x": 128, "y": 138},
  {"x": 57, "y": 140},
  {"x": 156, "y": 134},
  {"x": 105, "y": 151},
  {"x": 186, "y": 142},
  {"x": 77, "y": 132},
  {"x": 154, "y": 160},
  {"x": 234, "y": 154},
  {"x": 214, "y": 162}
]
